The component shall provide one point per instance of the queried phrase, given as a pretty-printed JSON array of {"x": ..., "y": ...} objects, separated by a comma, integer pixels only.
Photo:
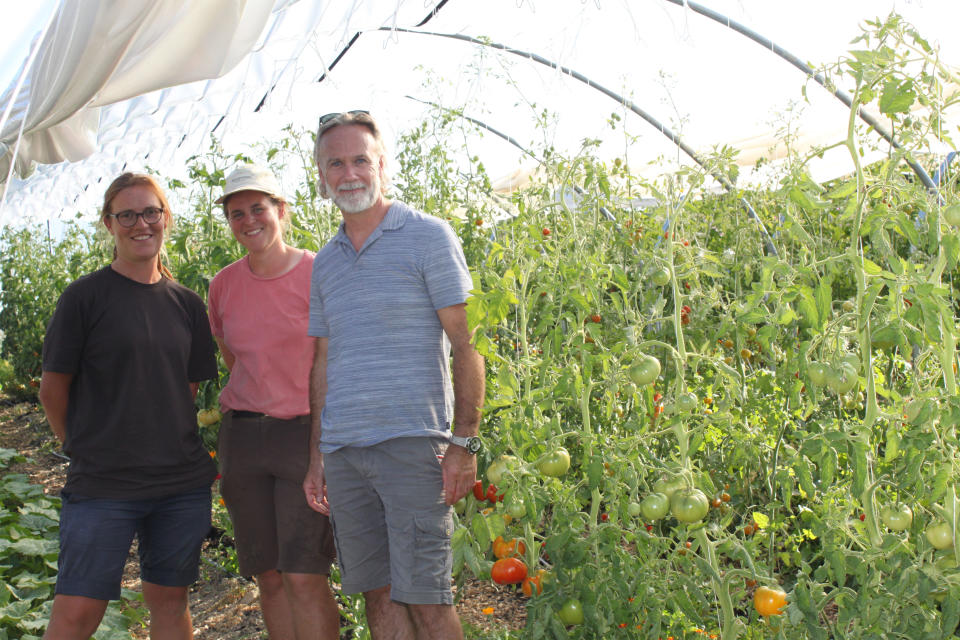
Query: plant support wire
[
  {"x": 770, "y": 45},
  {"x": 722, "y": 179}
]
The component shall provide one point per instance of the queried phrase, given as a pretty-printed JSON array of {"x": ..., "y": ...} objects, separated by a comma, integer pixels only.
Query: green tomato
[
  {"x": 460, "y": 505},
  {"x": 853, "y": 360},
  {"x": 946, "y": 562},
  {"x": 500, "y": 466},
  {"x": 634, "y": 509},
  {"x": 571, "y": 613},
  {"x": 897, "y": 517},
  {"x": 517, "y": 509},
  {"x": 952, "y": 215},
  {"x": 689, "y": 505},
  {"x": 655, "y": 506},
  {"x": 842, "y": 379},
  {"x": 940, "y": 535},
  {"x": 686, "y": 402},
  {"x": 818, "y": 373},
  {"x": 555, "y": 464},
  {"x": 668, "y": 486},
  {"x": 644, "y": 370},
  {"x": 660, "y": 276}
]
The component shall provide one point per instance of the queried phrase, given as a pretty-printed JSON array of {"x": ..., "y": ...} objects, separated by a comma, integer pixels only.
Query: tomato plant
[{"x": 848, "y": 277}]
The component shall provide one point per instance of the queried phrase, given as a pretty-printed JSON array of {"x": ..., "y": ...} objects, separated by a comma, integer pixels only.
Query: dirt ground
[{"x": 224, "y": 606}]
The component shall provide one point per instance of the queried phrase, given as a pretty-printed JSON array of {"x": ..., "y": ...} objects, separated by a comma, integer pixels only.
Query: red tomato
[
  {"x": 478, "y": 491},
  {"x": 508, "y": 571},
  {"x": 492, "y": 496}
]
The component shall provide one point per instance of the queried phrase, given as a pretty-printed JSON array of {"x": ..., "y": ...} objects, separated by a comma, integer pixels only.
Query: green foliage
[
  {"x": 29, "y": 525},
  {"x": 34, "y": 269},
  {"x": 855, "y": 276}
]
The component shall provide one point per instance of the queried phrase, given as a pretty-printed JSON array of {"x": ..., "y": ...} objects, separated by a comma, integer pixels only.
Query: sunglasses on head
[{"x": 333, "y": 116}]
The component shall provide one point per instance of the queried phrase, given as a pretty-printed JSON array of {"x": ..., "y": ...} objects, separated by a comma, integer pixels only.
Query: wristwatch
[{"x": 473, "y": 444}]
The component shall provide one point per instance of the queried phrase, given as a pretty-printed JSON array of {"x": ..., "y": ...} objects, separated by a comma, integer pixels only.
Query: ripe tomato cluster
[{"x": 490, "y": 494}]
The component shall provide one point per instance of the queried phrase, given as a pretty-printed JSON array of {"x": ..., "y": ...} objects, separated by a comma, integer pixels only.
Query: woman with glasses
[
  {"x": 258, "y": 309},
  {"x": 123, "y": 356}
]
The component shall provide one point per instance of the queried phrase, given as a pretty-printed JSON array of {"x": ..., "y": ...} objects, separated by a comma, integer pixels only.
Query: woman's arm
[
  {"x": 228, "y": 357},
  {"x": 54, "y": 395}
]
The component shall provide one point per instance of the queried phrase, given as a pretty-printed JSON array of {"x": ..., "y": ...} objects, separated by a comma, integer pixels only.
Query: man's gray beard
[{"x": 355, "y": 203}]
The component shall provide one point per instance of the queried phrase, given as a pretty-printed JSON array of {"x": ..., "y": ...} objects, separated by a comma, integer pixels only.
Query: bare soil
[{"x": 224, "y": 606}]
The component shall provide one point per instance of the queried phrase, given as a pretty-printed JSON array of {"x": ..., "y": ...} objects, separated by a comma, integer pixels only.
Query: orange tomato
[
  {"x": 769, "y": 601},
  {"x": 508, "y": 548},
  {"x": 532, "y": 583}
]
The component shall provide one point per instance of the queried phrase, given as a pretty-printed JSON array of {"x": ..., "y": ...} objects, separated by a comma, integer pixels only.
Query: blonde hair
[{"x": 125, "y": 181}]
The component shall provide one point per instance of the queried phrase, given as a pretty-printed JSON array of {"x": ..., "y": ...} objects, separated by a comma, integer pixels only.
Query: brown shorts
[{"x": 263, "y": 461}]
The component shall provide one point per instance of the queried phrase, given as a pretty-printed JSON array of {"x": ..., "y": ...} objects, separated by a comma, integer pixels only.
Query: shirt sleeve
[
  {"x": 213, "y": 308},
  {"x": 317, "y": 325},
  {"x": 65, "y": 339},
  {"x": 445, "y": 270},
  {"x": 203, "y": 359}
]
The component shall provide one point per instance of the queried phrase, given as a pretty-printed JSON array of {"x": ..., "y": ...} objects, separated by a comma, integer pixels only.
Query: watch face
[{"x": 473, "y": 444}]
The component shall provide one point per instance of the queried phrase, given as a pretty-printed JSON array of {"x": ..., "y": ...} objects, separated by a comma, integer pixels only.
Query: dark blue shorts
[{"x": 96, "y": 534}]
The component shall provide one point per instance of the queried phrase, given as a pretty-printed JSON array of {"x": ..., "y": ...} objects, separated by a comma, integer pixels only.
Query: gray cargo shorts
[{"x": 390, "y": 521}]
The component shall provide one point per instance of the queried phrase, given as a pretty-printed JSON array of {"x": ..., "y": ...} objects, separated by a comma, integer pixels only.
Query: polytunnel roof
[{"x": 114, "y": 85}]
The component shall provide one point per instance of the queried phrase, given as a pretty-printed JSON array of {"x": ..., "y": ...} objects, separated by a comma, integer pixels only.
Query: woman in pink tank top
[{"x": 258, "y": 308}]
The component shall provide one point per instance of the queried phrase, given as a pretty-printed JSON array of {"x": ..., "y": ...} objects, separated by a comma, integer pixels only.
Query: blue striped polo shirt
[{"x": 388, "y": 372}]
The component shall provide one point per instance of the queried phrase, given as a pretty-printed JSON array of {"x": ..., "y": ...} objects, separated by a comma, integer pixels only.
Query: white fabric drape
[{"x": 99, "y": 52}]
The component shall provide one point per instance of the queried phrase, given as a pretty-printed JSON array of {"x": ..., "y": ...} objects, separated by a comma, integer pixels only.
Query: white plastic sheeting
[{"x": 134, "y": 83}]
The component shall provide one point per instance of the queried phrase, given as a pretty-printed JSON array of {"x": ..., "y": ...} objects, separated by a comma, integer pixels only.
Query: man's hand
[
  {"x": 459, "y": 473},
  {"x": 315, "y": 487}
]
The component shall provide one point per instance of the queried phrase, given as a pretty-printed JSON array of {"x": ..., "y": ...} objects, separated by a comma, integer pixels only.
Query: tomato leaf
[
  {"x": 951, "y": 249},
  {"x": 897, "y": 97}
]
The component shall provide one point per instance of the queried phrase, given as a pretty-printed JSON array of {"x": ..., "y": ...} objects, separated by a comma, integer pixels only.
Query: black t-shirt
[{"x": 133, "y": 350}]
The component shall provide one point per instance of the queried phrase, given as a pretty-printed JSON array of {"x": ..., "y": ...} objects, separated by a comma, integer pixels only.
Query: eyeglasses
[
  {"x": 333, "y": 116},
  {"x": 128, "y": 218}
]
